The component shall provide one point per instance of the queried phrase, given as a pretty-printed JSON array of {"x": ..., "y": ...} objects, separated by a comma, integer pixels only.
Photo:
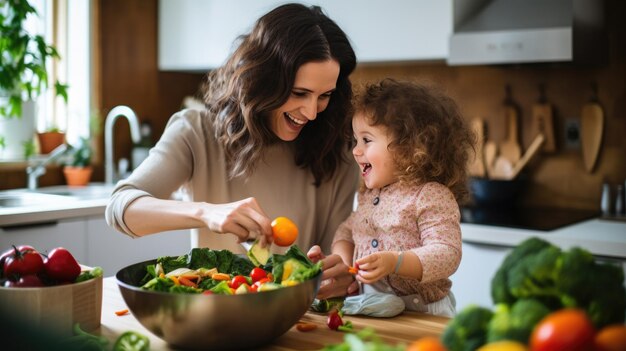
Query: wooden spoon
[
  {"x": 502, "y": 168},
  {"x": 534, "y": 147}
]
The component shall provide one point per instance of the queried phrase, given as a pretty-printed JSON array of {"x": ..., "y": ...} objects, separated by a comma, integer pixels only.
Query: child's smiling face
[{"x": 372, "y": 154}]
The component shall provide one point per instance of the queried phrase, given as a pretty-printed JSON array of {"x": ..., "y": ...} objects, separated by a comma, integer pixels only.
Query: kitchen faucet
[
  {"x": 35, "y": 171},
  {"x": 133, "y": 122}
]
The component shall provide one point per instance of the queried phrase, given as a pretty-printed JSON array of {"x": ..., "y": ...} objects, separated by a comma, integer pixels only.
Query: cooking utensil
[
  {"x": 510, "y": 148},
  {"x": 502, "y": 168},
  {"x": 477, "y": 166},
  {"x": 490, "y": 150},
  {"x": 506, "y": 171},
  {"x": 528, "y": 155},
  {"x": 542, "y": 121},
  {"x": 217, "y": 322},
  {"x": 591, "y": 129}
]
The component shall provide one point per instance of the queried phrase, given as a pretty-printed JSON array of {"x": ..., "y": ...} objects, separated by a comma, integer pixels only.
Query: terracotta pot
[
  {"x": 77, "y": 176},
  {"x": 49, "y": 141}
]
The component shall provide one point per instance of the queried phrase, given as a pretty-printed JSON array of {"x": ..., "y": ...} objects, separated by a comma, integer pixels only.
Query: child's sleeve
[{"x": 440, "y": 231}]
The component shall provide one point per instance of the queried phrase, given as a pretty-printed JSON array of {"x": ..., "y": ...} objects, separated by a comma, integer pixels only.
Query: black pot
[{"x": 495, "y": 192}]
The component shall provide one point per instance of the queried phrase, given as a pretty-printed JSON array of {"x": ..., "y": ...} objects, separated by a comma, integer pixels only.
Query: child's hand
[{"x": 376, "y": 266}]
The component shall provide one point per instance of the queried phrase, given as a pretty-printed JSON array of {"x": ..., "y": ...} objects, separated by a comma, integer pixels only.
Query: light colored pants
[{"x": 445, "y": 307}]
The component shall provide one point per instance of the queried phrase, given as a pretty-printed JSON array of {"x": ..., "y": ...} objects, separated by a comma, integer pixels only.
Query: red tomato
[
  {"x": 237, "y": 281},
  {"x": 61, "y": 265},
  {"x": 257, "y": 274},
  {"x": 25, "y": 281},
  {"x": 23, "y": 261},
  {"x": 611, "y": 338},
  {"x": 334, "y": 320},
  {"x": 11, "y": 251},
  {"x": 566, "y": 329}
]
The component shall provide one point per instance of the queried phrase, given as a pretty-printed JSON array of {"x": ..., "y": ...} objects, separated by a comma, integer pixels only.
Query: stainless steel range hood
[{"x": 528, "y": 31}]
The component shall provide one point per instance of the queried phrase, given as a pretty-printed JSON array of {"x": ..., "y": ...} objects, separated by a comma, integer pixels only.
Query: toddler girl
[{"x": 412, "y": 147}]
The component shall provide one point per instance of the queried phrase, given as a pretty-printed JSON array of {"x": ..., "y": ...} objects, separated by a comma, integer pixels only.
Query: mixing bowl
[{"x": 215, "y": 322}]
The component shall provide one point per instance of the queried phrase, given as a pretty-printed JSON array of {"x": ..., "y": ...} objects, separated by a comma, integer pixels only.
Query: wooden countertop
[{"x": 404, "y": 328}]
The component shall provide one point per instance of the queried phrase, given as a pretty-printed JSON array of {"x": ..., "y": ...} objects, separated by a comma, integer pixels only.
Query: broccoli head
[
  {"x": 499, "y": 283},
  {"x": 516, "y": 322},
  {"x": 533, "y": 277},
  {"x": 468, "y": 330},
  {"x": 557, "y": 279},
  {"x": 608, "y": 300}
]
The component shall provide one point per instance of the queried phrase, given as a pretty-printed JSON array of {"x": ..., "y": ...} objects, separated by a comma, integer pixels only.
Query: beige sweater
[{"x": 189, "y": 157}]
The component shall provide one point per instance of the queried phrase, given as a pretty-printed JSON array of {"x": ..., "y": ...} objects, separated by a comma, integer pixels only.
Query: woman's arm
[{"x": 240, "y": 218}]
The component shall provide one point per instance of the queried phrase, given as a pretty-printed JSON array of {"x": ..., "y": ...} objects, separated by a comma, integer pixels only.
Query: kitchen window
[{"x": 66, "y": 24}]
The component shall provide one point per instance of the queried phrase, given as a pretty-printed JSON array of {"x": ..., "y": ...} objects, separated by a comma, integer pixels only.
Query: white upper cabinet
[{"x": 197, "y": 35}]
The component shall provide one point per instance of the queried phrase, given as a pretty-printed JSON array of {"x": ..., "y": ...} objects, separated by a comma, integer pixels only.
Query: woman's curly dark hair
[
  {"x": 431, "y": 142},
  {"x": 258, "y": 78}
]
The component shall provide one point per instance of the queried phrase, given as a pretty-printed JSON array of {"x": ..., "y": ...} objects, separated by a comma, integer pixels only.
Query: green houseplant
[
  {"x": 78, "y": 168},
  {"x": 24, "y": 75}
]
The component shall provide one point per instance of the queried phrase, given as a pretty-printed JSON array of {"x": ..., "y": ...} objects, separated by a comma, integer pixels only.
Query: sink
[
  {"x": 91, "y": 191},
  {"x": 54, "y": 195},
  {"x": 24, "y": 199}
]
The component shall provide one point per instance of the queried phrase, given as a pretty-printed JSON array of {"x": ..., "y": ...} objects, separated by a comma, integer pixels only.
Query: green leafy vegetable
[
  {"x": 365, "y": 339},
  {"x": 537, "y": 278},
  {"x": 468, "y": 330},
  {"x": 91, "y": 274},
  {"x": 132, "y": 341}
]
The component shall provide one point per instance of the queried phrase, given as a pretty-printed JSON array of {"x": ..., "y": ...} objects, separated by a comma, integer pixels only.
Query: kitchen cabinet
[
  {"x": 93, "y": 243},
  {"x": 113, "y": 250},
  {"x": 471, "y": 283},
  {"x": 197, "y": 35},
  {"x": 45, "y": 236}
]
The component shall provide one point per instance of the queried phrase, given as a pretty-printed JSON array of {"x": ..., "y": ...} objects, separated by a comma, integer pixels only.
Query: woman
[{"x": 271, "y": 142}]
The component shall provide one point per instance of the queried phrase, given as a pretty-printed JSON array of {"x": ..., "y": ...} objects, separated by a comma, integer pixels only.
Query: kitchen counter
[
  {"x": 601, "y": 237},
  {"x": 404, "y": 328},
  {"x": 55, "y": 203}
]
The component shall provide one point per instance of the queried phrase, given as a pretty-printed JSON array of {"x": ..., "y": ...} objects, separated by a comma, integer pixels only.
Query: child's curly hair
[{"x": 431, "y": 140}]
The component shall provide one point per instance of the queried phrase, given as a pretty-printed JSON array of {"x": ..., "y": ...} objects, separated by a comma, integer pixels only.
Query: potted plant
[
  {"x": 78, "y": 169},
  {"x": 24, "y": 77},
  {"x": 50, "y": 140}
]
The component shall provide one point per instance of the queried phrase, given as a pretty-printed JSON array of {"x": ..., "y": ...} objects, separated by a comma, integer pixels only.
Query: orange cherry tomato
[
  {"x": 611, "y": 338},
  {"x": 564, "y": 330},
  {"x": 284, "y": 231},
  {"x": 427, "y": 343}
]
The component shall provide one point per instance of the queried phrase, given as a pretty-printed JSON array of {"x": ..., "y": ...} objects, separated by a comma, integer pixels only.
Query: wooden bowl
[{"x": 55, "y": 308}]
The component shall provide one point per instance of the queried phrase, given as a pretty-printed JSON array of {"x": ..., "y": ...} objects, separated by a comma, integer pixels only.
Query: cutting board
[
  {"x": 542, "y": 123},
  {"x": 591, "y": 130},
  {"x": 510, "y": 148}
]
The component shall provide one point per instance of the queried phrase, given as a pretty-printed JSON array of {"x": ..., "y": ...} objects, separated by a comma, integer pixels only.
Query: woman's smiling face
[
  {"x": 311, "y": 92},
  {"x": 372, "y": 154}
]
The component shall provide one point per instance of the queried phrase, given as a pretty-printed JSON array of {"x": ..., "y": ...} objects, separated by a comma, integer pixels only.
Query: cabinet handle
[{"x": 29, "y": 226}]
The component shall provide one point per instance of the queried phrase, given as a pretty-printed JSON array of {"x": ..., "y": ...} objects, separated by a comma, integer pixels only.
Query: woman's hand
[
  {"x": 336, "y": 280},
  {"x": 376, "y": 266},
  {"x": 245, "y": 219}
]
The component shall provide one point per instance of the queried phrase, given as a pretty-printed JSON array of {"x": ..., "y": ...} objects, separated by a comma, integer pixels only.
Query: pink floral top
[{"x": 423, "y": 219}]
